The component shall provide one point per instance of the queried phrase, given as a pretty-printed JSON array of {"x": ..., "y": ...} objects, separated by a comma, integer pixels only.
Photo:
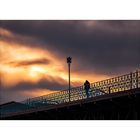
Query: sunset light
[{"x": 33, "y": 58}]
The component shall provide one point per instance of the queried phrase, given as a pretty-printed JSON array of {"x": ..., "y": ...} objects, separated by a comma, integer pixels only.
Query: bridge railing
[
  {"x": 76, "y": 93},
  {"x": 116, "y": 84},
  {"x": 120, "y": 83}
]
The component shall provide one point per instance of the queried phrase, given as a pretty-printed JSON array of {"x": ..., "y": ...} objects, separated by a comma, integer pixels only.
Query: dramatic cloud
[
  {"x": 27, "y": 89},
  {"x": 31, "y": 62},
  {"x": 103, "y": 47},
  {"x": 34, "y": 52},
  {"x": 50, "y": 83}
]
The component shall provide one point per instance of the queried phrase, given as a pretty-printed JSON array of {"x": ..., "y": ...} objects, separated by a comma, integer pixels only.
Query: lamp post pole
[{"x": 69, "y": 60}]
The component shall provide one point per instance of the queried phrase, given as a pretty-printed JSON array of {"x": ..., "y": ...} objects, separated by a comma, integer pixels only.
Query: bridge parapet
[
  {"x": 120, "y": 83},
  {"x": 116, "y": 84},
  {"x": 77, "y": 93}
]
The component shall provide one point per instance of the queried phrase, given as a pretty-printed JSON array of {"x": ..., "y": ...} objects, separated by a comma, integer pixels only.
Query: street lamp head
[{"x": 69, "y": 59}]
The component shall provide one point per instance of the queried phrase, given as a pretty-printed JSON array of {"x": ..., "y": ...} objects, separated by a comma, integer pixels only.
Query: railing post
[
  {"x": 137, "y": 80},
  {"x": 29, "y": 101},
  {"x": 131, "y": 83},
  {"x": 109, "y": 90}
]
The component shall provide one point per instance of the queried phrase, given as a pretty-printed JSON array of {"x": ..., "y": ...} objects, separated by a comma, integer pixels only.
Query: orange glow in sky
[{"x": 23, "y": 63}]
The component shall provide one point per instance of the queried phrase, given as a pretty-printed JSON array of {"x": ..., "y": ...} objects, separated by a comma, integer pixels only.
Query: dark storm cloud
[
  {"x": 16, "y": 92},
  {"x": 42, "y": 84},
  {"x": 104, "y": 47},
  {"x": 30, "y": 62}
]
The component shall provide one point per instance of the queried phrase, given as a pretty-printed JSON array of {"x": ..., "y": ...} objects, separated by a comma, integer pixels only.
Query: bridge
[{"x": 114, "y": 98}]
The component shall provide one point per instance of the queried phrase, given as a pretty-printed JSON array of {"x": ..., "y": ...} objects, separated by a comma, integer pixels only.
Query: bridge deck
[{"x": 93, "y": 100}]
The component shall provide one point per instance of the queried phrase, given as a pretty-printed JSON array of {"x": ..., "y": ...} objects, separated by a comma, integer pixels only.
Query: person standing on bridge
[{"x": 87, "y": 87}]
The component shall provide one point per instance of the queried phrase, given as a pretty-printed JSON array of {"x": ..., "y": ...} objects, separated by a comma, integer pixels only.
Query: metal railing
[
  {"x": 120, "y": 83},
  {"x": 116, "y": 84},
  {"x": 77, "y": 93}
]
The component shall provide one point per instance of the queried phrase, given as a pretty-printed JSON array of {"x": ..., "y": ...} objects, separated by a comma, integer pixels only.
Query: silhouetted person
[{"x": 87, "y": 87}]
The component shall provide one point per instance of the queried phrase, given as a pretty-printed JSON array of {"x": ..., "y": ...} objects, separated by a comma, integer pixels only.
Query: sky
[{"x": 33, "y": 54}]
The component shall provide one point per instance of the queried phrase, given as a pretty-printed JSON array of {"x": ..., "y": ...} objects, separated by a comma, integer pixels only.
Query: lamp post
[{"x": 69, "y": 60}]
